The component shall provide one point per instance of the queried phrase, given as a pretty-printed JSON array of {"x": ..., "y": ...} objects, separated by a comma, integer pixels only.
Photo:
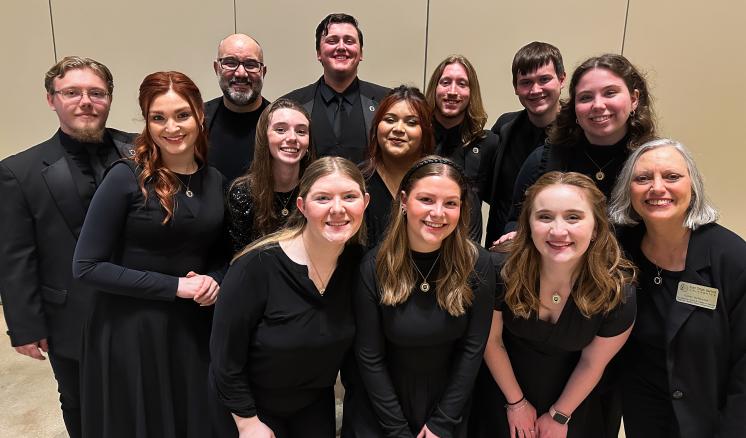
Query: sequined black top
[{"x": 241, "y": 230}]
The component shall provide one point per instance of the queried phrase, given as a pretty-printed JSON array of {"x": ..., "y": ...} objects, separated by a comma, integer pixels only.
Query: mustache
[{"x": 240, "y": 81}]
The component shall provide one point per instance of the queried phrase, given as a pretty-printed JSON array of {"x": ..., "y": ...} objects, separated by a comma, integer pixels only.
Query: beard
[
  {"x": 241, "y": 98},
  {"x": 88, "y": 134}
]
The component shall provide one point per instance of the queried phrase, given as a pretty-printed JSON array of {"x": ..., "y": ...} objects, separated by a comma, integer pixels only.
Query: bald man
[{"x": 231, "y": 119}]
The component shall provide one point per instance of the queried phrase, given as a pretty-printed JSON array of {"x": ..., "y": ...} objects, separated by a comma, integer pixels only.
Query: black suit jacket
[
  {"x": 370, "y": 96},
  {"x": 706, "y": 349},
  {"x": 42, "y": 217}
]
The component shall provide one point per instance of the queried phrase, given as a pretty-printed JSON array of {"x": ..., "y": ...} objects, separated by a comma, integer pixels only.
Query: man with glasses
[
  {"x": 341, "y": 106},
  {"x": 46, "y": 190},
  {"x": 231, "y": 119}
]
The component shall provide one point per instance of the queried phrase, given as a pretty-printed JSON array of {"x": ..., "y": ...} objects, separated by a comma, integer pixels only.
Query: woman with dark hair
[
  {"x": 261, "y": 201},
  {"x": 284, "y": 321},
  {"x": 151, "y": 246},
  {"x": 422, "y": 309},
  {"x": 401, "y": 133},
  {"x": 564, "y": 308},
  {"x": 684, "y": 367},
  {"x": 609, "y": 113}
]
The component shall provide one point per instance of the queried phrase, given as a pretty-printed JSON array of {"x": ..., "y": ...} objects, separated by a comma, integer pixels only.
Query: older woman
[
  {"x": 685, "y": 363},
  {"x": 284, "y": 320},
  {"x": 565, "y": 308},
  {"x": 261, "y": 201}
]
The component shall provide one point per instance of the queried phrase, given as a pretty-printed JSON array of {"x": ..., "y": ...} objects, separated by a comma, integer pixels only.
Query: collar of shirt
[{"x": 348, "y": 95}]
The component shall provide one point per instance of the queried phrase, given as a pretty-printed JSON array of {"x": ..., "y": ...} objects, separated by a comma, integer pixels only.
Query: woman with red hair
[{"x": 150, "y": 245}]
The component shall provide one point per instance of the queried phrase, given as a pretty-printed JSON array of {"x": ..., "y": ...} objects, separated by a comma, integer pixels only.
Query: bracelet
[
  {"x": 521, "y": 404},
  {"x": 515, "y": 403}
]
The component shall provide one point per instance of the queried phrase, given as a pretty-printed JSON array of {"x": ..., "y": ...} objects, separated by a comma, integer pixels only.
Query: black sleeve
[
  {"x": 488, "y": 151},
  {"x": 19, "y": 279},
  {"x": 732, "y": 420},
  {"x": 240, "y": 217},
  {"x": 100, "y": 236},
  {"x": 622, "y": 317},
  {"x": 475, "y": 218},
  {"x": 238, "y": 311},
  {"x": 370, "y": 349},
  {"x": 527, "y": 176},
  {"x": 467, "y": 357}
]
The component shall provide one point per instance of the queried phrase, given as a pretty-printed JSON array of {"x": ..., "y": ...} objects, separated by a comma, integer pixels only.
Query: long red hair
[{"x": 147, "y": 154}]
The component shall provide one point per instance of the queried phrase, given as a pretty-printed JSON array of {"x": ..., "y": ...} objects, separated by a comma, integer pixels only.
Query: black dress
[
  {"x": 145, "y": 351},
  {"x": 241, "y": 230},
  {"x": 379, "y": 209},
  {"x": 543, "y": 355},
  {"x": 418, "y": 363},
  {"x": 277, "y": 344}
]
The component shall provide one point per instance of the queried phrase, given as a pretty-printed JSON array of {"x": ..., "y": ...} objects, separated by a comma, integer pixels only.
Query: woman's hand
[
  {"x": 546, "y": 427},
  {"x": 425, "y": 433},
  {"x": 504, "y": 238},
  {"x": 252, "y": 427},
  {"x": 522, "y": 421},
  {"x": 201, "y": 288}
]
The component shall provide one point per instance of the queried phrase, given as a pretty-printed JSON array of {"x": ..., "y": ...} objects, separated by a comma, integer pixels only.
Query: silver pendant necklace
[
  {"x": 424, "y": 286},
  {"x": 658, "y": 279}
]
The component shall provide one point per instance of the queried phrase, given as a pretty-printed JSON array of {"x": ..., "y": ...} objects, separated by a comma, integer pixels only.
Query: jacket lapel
[
  {"x": 62, "y": 187},
  {"x": 369, "y": 110},
  {"x": 697, "y": 261}
]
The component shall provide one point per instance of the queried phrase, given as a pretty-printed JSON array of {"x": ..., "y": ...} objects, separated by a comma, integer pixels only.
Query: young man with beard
[
  {"x": 458, "y": 121},
  {"x": 341, "y": 105},
  {"x": 231, "y": 119},
  {"x": 46, "y": 190},
  {"x": 538, "y": 77}
]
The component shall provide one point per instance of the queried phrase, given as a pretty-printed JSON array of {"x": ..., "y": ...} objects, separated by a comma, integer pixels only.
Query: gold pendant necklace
[
  {"x": 424, "y": 286},
  {"x": 324, "y": 284}
]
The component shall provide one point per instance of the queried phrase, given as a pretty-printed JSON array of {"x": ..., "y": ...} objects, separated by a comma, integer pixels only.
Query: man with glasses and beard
[
  {"x": 46, "y": 190},
  {"x": 231, "y": 119}
]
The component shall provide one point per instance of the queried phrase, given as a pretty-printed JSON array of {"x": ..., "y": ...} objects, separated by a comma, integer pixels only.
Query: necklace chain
[
  {"x": 187, "y": 190},
  {"x": 284, "y": 211},
  {"x": 425, "y": 285},
  {"x": 600, "y": 175},
  {"x": 324, "y": 283}
]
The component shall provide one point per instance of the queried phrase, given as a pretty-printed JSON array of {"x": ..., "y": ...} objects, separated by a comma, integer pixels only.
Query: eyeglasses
[
  {"x": 232, "y": 64},
  {"x": 71, "y": 94}
]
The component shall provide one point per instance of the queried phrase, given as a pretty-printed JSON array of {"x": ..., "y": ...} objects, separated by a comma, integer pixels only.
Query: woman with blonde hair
[
  {"x": 422, "y": 308},
  {"x": 284, "y": 321},
  {"x": 564, "y": 308}
]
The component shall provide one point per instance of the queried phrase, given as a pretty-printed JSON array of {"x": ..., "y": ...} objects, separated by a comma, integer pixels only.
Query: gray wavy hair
[{"x": 701, "y": 211}]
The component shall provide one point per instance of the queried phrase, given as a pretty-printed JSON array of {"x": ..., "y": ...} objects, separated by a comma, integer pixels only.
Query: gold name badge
[{"x": 697, "y": 295}]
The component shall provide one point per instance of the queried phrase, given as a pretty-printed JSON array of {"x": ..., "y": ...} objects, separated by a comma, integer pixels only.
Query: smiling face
[
  {"x": 288, "y": 137},
  {"x": 81, "y": 118},
  {"x": 340, "y": 51},
  {"x": 399, "y": 132},
  {"x": 240, "y": 87},
  {"x": 603, "y": 104},
  {"x": 173, "y": 126},
  {"x": 539, "y": 91},
  {"x": 661, "y": 187},
  {"x": 452, "y": 95},
  {"x": 562, "y": 225},
  {"x": 333, "y": 208},
  {"x": 433, "y": 207}
]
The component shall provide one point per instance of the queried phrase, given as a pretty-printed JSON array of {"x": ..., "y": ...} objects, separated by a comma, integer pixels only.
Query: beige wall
[{"x": 693, "y": 55}]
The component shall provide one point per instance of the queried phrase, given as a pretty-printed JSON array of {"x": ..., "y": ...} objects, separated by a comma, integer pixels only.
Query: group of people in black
[{"x": 213, "y": 275}]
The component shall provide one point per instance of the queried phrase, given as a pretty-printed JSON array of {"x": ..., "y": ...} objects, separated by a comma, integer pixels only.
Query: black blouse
[
  {"x": 275, "y": 340},
  {"x": 241, "y": 214},
  {"x": 418, "y": 363}
]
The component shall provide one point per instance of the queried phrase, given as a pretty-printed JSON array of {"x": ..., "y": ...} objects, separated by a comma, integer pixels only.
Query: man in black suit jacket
[
  {"x": 538, "y": 78},
  {"x": 341, "y": 105},
  {"x": 231, "y": 118},
  {"x": 46, "y": 190}
]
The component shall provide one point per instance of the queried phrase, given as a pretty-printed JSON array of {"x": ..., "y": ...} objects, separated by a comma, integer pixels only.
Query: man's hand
[{"x": 34, "y": 349}]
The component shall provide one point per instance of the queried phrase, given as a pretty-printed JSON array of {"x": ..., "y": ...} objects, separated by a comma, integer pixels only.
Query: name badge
[{"x": 697, "y": 295}]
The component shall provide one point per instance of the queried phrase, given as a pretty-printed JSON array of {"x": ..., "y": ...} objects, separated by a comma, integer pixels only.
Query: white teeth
[
  {"x": 658, "y": 201},
  {"x": 291, "y": 150},
  {"x": 560, "y": 244},
  {"x": 434, "y": 225},
  {"x": 600, "y": 118},
  {"x": 337, "y": 224}
]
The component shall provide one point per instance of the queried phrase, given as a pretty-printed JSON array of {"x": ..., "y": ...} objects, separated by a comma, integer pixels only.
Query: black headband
[{"x": 422, "y": 163}]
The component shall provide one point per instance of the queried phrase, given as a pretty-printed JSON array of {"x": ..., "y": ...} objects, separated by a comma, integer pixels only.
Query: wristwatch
[{"x": 558, "y": 416}]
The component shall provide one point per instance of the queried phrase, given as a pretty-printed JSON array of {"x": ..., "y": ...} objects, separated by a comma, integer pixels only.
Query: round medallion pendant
[
  {"x": 556, "y": 298},
  {"x": 600, "y": 176},
  {"x": 657, "y": 280},
  {"x": 424, "y": 286},
  {"x": 284, "y": 212},
  {"x": 189, "y": 193}
]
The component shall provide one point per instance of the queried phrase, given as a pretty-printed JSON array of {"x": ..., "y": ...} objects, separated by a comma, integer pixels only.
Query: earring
[
  {"x": 403, "y": 211},
  {"x": 576, "y": 121},
  {"x": 632, "y": 113}
]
